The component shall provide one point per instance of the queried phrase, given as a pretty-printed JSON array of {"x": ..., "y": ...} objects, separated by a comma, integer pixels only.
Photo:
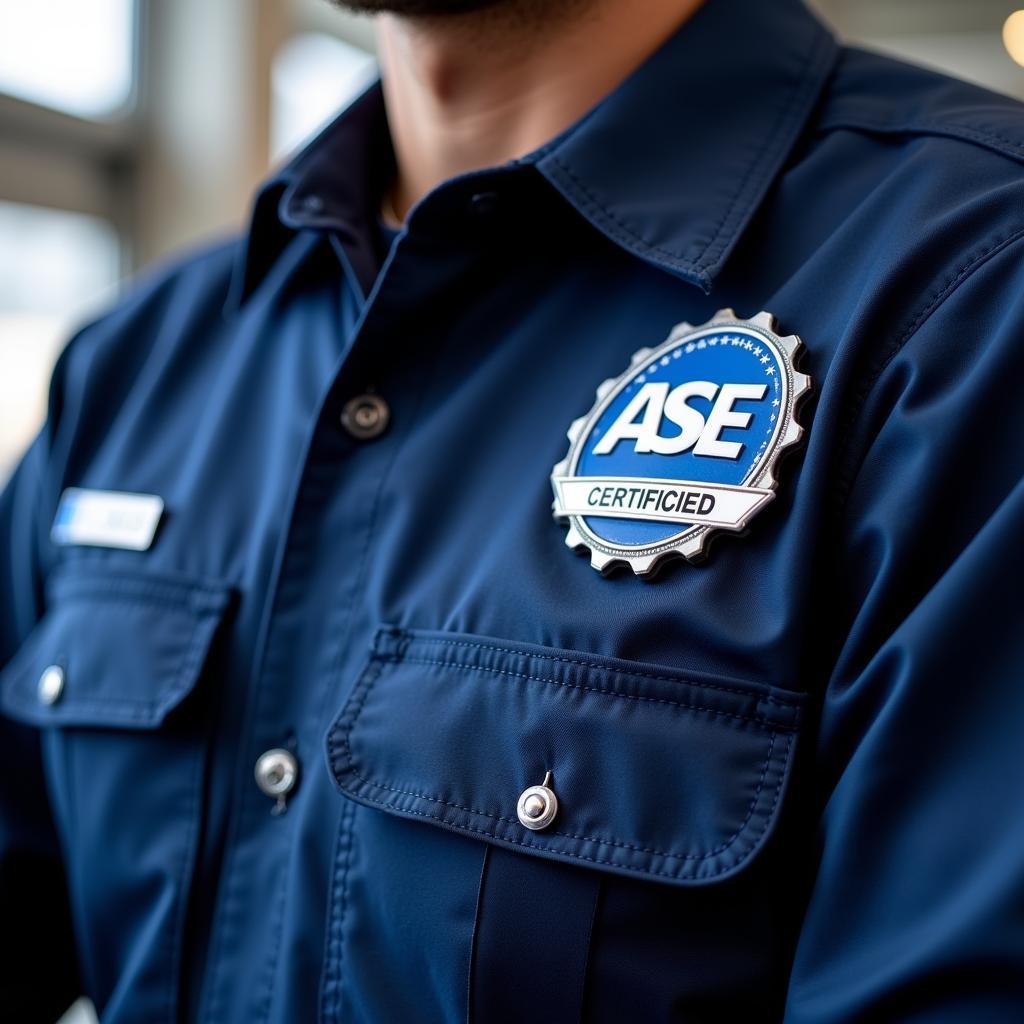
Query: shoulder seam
[
  {"x": 848, "y": 471},
  {"x": 1009, "y": 147}
]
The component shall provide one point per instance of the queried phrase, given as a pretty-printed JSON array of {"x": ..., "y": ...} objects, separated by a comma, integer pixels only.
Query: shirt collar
[
  {"x": 671, "y": 165},
  {"x": 332, "y": 183}
]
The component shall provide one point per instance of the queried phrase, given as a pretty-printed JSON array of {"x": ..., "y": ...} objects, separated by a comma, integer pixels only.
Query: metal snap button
[
  {"x": 50, "y": 685},
  {"x": 277, "y": 772},
  {"x": 365, "y": 416},
  {"x": 537, "y": 805}
]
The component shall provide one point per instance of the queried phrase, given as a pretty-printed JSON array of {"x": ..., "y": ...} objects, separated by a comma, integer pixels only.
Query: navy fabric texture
[{"x": 789, "y": 778}]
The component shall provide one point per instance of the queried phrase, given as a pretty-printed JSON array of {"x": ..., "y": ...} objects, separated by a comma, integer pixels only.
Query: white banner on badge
[{"x": 660, "y": 501}]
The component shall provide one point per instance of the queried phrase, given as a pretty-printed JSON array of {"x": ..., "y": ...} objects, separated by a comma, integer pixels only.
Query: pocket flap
[
  {"x": 128, "y": 648},
  {"x": 660, "y": 773}
]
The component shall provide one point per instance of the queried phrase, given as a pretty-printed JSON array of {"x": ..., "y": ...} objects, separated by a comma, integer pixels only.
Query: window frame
[{"x": 62, "y": 161}]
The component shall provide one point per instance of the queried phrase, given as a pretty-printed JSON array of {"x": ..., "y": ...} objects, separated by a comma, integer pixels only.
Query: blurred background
[{"x": 132, "y": 128}]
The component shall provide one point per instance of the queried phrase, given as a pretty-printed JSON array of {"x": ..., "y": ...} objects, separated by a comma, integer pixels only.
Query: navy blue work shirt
[{"x": 789, "y": 779}]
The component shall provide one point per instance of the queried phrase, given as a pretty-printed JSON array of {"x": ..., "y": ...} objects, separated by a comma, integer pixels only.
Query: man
[{"x": 312, "y": 709}]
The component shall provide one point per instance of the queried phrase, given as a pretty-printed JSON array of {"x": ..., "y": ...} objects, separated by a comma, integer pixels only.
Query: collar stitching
[
  {"x": 699, "y": 268},
  {"x": 589, "y": 199},
  {"x": 776, "y": 140}
]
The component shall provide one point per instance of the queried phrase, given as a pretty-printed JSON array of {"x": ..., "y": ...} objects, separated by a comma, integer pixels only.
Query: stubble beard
[{"x": 521, "y": 11}]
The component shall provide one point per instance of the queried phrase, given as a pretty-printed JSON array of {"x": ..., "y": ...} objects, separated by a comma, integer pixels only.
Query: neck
[{"x": 475, "y": 90}]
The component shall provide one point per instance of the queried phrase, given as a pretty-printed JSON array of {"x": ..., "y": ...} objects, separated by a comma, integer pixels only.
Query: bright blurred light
[
  {"x": 314, "y": 76},
  {"x": 1013, "y": 36},
  {"x": 74, "y": 55},
  {"x": 56, "y": 268}
]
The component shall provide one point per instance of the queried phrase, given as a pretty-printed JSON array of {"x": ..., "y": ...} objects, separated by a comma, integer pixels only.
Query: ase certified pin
[{"x": 683, "y": 444}]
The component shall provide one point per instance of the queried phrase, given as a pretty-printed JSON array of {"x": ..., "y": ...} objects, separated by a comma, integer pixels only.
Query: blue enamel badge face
[{"x": 683, "y": 443}]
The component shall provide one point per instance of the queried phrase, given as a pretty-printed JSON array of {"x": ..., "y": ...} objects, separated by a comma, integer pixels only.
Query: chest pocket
[
  {"x": 668, "y": 785},
  {"x": 109, "y": 678}
]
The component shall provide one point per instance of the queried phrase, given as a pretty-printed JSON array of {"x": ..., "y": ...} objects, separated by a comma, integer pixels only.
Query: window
[
  {"x": 72, "y": 55},
  {"x": 67, "y": 82},
  {"x": 55, "y": 268},
  {"x": 313, "y": 77}
]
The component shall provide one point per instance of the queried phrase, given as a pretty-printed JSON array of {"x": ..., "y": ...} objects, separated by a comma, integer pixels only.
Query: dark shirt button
[
  {"x": 365, "y": 417},
  {"x": 312, "y": 204},
  {"x": 483, "y": 204}
]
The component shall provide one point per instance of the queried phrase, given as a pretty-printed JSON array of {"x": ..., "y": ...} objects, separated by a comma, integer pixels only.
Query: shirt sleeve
[
  {"x": 38, "y": 972},
  {"x": 916, "y": 912}
]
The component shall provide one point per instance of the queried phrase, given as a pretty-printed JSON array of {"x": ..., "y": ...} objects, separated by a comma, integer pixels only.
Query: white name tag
[{"x": 108, "y": 519}]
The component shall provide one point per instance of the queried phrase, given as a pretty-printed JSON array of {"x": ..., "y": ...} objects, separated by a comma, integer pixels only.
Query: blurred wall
[
  {"x": 961, "y": 37},
  {"x": 130, "y": 129},
  {"x": 207, "y": 108}
]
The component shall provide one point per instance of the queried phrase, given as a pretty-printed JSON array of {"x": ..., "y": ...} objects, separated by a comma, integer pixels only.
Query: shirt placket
[{"x": 320, "y": 574}]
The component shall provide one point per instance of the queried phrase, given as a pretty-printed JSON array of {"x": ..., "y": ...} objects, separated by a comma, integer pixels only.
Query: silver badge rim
[{"x": 691, "y": 543}]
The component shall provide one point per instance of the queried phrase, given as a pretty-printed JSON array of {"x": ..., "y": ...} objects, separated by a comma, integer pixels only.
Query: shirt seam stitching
[
  {"x": 679, "y": 873},
  {"x": 773, "y": 143},
  {"x": 964, "y": 273},
  {"x": 125, "y": 708},
  {"x": 716, "y": 244},
  {"x": 1004, "y": 144},
  {"x": 757, "y": 720},
  {"x": 596, "y": 665},
  {"x": 340, "y": 743}
]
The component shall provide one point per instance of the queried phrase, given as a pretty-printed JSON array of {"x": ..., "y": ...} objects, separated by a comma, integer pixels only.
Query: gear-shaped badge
[{"x": 682, "y": 445}]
